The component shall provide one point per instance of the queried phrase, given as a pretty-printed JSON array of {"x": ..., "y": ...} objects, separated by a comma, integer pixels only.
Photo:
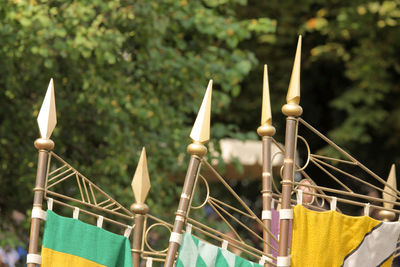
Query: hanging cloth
[{"x": 330, "y": 238}]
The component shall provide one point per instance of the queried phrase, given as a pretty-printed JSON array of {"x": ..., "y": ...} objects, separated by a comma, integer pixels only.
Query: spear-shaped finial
[
  {"x": 141, "y": 180},
  {"x": 293, "y": 95},
  {"x": 292, "y": 107},
  {"x": 201, "y": 129},
  {"x": 266, "y": 128},
  {"x": 388, "y": 215},
  {"x": 140, "y": 186},
  {"x": 266, "y": 116},
  {"x": 391, "y": 181},
  {"x": 47, "y": 118}
]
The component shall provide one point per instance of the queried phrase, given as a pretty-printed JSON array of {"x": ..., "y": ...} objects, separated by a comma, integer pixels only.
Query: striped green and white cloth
[{"x": 196, "y": 253}]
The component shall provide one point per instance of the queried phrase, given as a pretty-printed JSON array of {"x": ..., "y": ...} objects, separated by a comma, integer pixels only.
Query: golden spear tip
[
  {"x": 266, "y": 115},
  {"x": 141, "y": 180},
  {"x": 201, "y": 128},
  {"x": 391, "y": 181},
  {"x": 293, "y": 96},
  {"x": 47, "y": 118}
]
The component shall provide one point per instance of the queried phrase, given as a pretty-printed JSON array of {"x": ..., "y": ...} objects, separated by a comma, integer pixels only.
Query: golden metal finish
[
  {"x": 46, "y": 144},
  {"x": 47, "y": 121},
  {"x": 47, "y": 118},
  {"x": 94, "y": 198},
  {"x": 207, "y": 195},
  {"x": 319, "y": 160},
  {"x": 382, "y": 208},
  {"x": 266, "y": 131},
  {"x": 288, "y": 175},
  {"x": 141, "y": 180},
  {"x": 197, "y": 149},
  {"x": 123, "y": 225},
  {"x": 293, "y": 95},
  {"x": 201, "y": 129},
  {"x": 200, "y": 134},
  {"x": 147, "y": 234},
  {"x": 140, "y": 187},
  {"x": 139, "y": 208},
  {"x": 226, "y": 213},
  {"x": 266, "y": 115},
  {"x": 266, "y": 128},
  {"x": 292, "y": 107},
  {"x": 387, "y": 215},
  {"x": 391, "y": 181}
]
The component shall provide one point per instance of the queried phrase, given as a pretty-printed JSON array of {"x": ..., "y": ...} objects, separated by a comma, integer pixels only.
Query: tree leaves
[{"x": 127, "y": 74}]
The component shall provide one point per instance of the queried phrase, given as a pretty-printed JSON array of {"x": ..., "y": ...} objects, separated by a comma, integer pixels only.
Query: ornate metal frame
[{"x": 94, "y": 198}]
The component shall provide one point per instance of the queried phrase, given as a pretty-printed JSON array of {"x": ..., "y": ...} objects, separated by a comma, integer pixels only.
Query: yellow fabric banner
[
  {"x": 54, "y": 258},
  {"x": 330, "y": 238}
]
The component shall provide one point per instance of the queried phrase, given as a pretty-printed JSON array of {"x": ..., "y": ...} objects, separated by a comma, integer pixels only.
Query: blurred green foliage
[
  {"x": 350, "y": 80},
  {"x": 127, "y": 74}
]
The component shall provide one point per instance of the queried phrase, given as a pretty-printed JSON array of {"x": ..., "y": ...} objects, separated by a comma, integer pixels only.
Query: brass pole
[
  {"x": 44, "y": 146},
  {"x": 266, "y": 131},
  {"x": 137, "y": 235},
  {"x": 287, "y": 179},
  {"x": 200, "y": 134},
  {"x": 47, "y": 121},
  {"x": 292, "y": 110},
  {"x": 267, "y": 191},
  {"x": 196, "y": 151}
]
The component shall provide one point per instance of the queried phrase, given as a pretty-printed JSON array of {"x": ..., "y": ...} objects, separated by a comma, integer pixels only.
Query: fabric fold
[{"x": 70, "y": 242}]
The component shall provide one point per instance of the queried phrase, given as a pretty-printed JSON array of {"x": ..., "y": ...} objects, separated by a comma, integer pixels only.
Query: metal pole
[
  {"x": 200, "y": 134},
  {"x": 196, "y": 150},
  {"x": 291, "y": 109},
  {"x": 266, "y": 132},
  {"x": 137, "y": 233},
  {"x": 267, "y": 192},
  {"x": 44, "y": 146},
  {"x": 288, "y": 173}
]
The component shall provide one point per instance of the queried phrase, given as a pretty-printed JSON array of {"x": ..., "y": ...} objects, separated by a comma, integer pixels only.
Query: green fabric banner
[{"x": 72, "y": 237}]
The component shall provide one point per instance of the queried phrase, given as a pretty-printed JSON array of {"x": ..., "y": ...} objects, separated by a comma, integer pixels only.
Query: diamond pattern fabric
[{"x": 196, "y": 253}]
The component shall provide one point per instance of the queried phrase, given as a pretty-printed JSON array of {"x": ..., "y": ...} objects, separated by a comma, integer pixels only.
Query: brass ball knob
[
  {"x": 197, "y": 149},
  {"x": 386, "y": 215},
  {"x": 292, "y": 110},
  {"x": 46, "y": 144},
  {"x": 139, "y": 208},
  {"x": 266, "y": 130}
]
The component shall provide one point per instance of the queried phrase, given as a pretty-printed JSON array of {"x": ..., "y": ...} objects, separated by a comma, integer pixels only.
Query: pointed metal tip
[
  {"x": 293, "y": 95},
  {"x": 141, "y": 180},
  {"x": 47, "y": 118},
  {"x": 143, "y": 153},
  {"x": 391, "y": 183},
  {"x": 201, "y": 128},
  {"x": 210, "y": 84},
  {"x": 266, "y": 115}
]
